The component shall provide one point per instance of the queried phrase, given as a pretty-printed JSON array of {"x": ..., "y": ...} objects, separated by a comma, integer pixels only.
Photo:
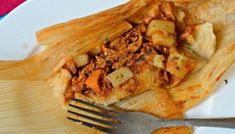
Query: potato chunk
[
  {"x": 120, "y": 76},
  {"x": 160, "y": 25},
  {"x": 158, "y": 61},
  {"x": 179, "y": 65},
  {"x": 203, "y": 40},
  {"x": 81, "y": 60},
  {"x": 163, "y": 39},
  {"x": 162, "y": 32}
]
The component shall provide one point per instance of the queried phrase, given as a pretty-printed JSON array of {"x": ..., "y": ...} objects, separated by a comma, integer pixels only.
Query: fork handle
[{"x": 215, "y": 122}]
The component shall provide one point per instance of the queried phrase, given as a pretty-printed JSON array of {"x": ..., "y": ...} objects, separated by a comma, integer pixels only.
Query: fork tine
[
  {"x": 107, "y": 122},
  {"x": 95, "y": 106},
  {"x": 100, "y": 128},
  {"x": 92, "y": 111}
]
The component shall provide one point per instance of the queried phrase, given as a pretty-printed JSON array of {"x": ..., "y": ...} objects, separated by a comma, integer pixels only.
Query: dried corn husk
[
  {"x": 43, "y": 64},
  {"x": 56, "y": 33}
]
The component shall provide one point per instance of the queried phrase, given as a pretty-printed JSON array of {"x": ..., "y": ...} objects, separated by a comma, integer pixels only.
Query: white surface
[{"x": 17, "y": 39}]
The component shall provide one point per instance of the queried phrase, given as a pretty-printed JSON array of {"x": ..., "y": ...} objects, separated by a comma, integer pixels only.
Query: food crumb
[{"x": 226, "y": 82}]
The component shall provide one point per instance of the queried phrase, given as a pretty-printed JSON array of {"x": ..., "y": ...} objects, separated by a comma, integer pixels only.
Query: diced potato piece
[
  {"x": 161, "y": 32},
  {"x": 163, "y": 39},
  {"x": 60, "y": 82},
  {"x": 198, "y": 60},
  {"x": 160, "y": 25},
  {"x": 81, "y": 60},
  {"x": 120, "y": 76},
  {"x": 158, "y": 61},
  {"x": 179, "y": 65},
  {"x": 203, "y": 40},
  {"x": 95, "y": 51}
]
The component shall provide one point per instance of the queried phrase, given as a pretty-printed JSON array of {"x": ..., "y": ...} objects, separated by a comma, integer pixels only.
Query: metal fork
[{"x": 126, "y": 122}]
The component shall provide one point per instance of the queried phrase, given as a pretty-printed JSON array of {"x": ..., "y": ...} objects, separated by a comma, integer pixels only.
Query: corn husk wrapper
[
  {"x": 59, "y": 32},
  {"x": 42, "y": 65},
  {"x": 28, "y": 107}
]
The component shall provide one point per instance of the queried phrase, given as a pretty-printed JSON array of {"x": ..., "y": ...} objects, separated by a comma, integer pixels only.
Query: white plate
[{"x": 17, "y": 40}]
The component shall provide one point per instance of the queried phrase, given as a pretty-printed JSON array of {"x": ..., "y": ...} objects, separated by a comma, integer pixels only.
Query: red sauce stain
[
  {"x": 219, "y": 77},
  {"x": 178, "y": 89},
  {"x": 190, "y": 89},
  {"x": 181, "y": 104},
  {"x": 194, "y": 97},
  {"x": 194, "y": 87},
  {"x": 212, "y": 71}
]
